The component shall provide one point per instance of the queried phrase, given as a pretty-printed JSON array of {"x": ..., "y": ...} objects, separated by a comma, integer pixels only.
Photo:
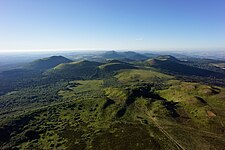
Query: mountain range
[{"x": 122, "y": 100}]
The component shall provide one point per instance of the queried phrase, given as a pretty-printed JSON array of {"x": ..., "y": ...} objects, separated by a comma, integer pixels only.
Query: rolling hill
[
  {"x": 112, "y": 55},
  {"x": 112, "y": 105},
  {"x": 115, "y": 65},
  {"x": 172, "y": 65},
  {"x": 129, "y": 55},
  {"x": 74, "y": 70},
  {"x": 86, "y": 69},
  {"x": 167, "y": 58},
  {"x": 47, "y": 63},
  {"x": 134, "y": 56}
]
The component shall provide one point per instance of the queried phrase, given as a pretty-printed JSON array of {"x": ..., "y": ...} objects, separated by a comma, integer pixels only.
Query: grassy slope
[
  {"x": 144, "y": 75},
  {"x": 135, "y": 114},
  {"x": 202, "y": 116},
  {"x": 47, "y": 63},
  {"x": 132, "y": 114},
  {"x": 109, "y": 67},
  {"x": 82, "y": 122},
  {"x": 74, "y": 70},
  {"x": 173, "y": 66},
  {"x": 111, "y": 132},
  {"x": 197, "y": 105},
  {"x": 198, "y": 100}
]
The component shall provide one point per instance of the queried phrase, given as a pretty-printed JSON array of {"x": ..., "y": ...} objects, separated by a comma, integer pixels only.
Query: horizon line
[{"x": 78, "y": 50}]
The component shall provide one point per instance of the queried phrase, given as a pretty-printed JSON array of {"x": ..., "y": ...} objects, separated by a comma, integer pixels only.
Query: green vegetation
[
  {"x": 202, "y": 103},
  {"x": 109, "y": 67},
  {"x": 112, "y": 105},
  {"x": 74, "y": 70},
  {"x": 137, "y": 75},
  {"x": 48, "y": 63},
  {"x": 171, "y": 65}
]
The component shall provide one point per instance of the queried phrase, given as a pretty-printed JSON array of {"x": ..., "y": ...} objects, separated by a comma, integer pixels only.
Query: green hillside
[
  {"x": 115, "y": 66},
  {"x": 174, "y": 66},
  {"x": 47, "y": 63},
  {"x": 113, "y": 105},
  {"x": 167, "y": 58},
  {"x": 74, "y": 70},
  {"x": 138, "y": 75},
  {"x": 134, "y": 115}
]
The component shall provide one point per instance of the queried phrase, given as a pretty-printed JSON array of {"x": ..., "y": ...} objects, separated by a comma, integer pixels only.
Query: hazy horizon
[{"x": 117, "y": 50}]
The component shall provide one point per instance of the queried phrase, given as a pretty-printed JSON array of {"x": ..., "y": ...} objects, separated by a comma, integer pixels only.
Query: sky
[{"x": 35, "y": 25}]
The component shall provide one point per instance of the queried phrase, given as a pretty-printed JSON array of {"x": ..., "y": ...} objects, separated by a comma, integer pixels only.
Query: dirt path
[{"x": 164, "y": 132}]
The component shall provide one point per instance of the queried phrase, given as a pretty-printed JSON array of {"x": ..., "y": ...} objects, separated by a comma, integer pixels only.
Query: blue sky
[{"x": 112, "y": 24}]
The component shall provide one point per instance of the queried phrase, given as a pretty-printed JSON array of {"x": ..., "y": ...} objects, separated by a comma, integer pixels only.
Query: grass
[
  {"x": 94, "y": 123},
  {"x": 117, "y": 94},
  {"x": 83, "y": 88},
  {"x": 196, "y": 99},
  {"x": 86, "y": 117},
  {"x": 135, "y": 75}
]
